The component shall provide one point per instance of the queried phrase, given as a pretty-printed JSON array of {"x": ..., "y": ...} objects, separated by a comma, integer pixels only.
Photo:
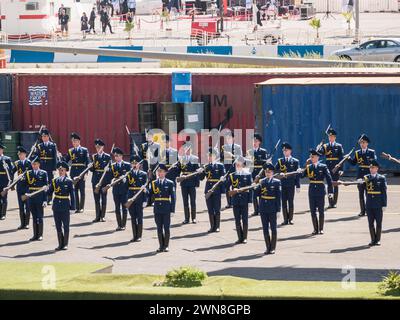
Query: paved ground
[{"x": 299, "y": 256}]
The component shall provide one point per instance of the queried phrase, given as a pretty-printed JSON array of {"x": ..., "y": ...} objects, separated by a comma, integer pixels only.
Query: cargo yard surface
[{"x": 300, "y": 256}]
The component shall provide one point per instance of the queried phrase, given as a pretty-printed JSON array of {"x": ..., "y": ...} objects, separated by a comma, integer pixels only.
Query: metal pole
[{"x": 357, "y": 20}]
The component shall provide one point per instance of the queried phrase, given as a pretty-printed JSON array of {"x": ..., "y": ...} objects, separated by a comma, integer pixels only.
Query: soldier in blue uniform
[
  {"x": 333, "y": 153},
  {"x": 270, "y": 205},
  {"x": 47, "y": 153},
  {"x": 288, "y": 164},
  {"x": 259, "y": 156},
  {"x": 164, "y": 204},
  {"x": 63, "y": 203},
  {"x": 188, "y": 164},
  {"x": 362, "y": 158},
  {"x": 376, "y": 187},
  {"x": 170, "y": 158},
  {"x": 6, "y": 174},
  {"x": 316, "y": 173},
  {"x": 240, "y": 201},
  {"x": 117, "y": 169},
  {"x": 21, "y": 166},
  {"x": 229, "y": 151},
  {"x": 136, "y": 181},
  {"x": 35, "y": 180},
  {"x": 79, "y": 159},
  {"x": 100, "y": 162},
  {"x": 214, "y": 171}
]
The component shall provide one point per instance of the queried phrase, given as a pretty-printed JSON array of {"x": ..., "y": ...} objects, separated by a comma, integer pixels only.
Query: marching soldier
[
  {"x": 288, "y": 164},
  {"x": 270, "y": 205},
  {"x": 376, "y": 187},
  {"x": 188, "y": 164},
  {"x": 362, "y": 158},
  {"x": 21, "y": 166},
  {"x": 47, "y": 153},
  {"x": 229, "y": 151},
  {"x": 100, "y": 162},
  {"x": 136, "y": 180},
  {"x": 63, "y": 203},
  {"x": 259, "y": 156},
  {"x": 164, "y": 204},
  {"x": 240, "y": 201},
  {"x": 78, "y": 156},
  {"x": 317, "y": 172},
  {"x": 214, "y": 171},
  {"x": 333, "y": 153},
  {"x": 120, "y": 192},
  {"x": 171, "y": 157},
  {"x": 6, "y": 172},
  {"x": 35, "y": 180}
]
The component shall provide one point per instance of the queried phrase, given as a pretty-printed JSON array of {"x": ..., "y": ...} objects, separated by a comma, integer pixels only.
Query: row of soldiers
[{"x": 151, "y": 179}]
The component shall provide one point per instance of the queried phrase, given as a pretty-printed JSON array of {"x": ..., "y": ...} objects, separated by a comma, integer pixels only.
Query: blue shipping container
[
  {"x": 299, "y": 111},
  {"x": 181, "y": 87}
]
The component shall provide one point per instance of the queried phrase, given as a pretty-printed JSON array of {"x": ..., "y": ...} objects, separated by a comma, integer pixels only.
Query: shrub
[
  {"x": 390, "y": 284},
  {"x": 184, "y": 277}
]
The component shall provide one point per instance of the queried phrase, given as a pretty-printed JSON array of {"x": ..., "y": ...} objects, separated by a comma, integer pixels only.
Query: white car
[
  {"x": 146, "y": 7},
  {"x": 387, "y": 50}
]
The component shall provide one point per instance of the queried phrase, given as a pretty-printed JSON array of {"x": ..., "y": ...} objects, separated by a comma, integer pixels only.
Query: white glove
[
  {"x": 383, "y": 209},
  {"x": 360, "y": 180},
  {"x": 299, "y": 170},
  {"x": 44, "y": 204},
  {"x": 330, "y": 195},
  {"x": 46, "y": 188},
  {"x": 222, "y": 178},
  {"x": 71, "y": 211},
  {"x": 297, "y": 190},
  {"x": 124, "y": 180}
]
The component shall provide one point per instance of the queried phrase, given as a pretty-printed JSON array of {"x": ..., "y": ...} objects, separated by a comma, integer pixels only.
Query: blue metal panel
[
  {"x": 300, "y": 50},
  {"x": 120, "y": 59},
  {"x": 301, "y": 114},
  {"x": 21, "y": 56},
  {"x": 222, "y": 50},
  {"x": 181, "y": 87}
]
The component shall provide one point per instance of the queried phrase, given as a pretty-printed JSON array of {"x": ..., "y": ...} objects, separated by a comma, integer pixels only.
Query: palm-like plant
[
  {"x": 316, "y": 24},
  {"x": 348, "y": 17}
]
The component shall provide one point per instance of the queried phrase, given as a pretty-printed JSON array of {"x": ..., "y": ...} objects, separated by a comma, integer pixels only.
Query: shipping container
[
  {"x": 338, "y": 6},
  {"x": 300, "y": 110},
  {"x": 100, "y": 103},
  {"x": 5, "y": 102}
]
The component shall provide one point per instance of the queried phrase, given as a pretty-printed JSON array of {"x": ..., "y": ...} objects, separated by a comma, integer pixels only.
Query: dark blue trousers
[
  {"x": 37, "y": 211},
  {"x": 50, "y": 177},
  {"x": 214, "y": 204},
  {"x": 120, "y": 200},
  {"x": 163, "y": 222},
  {"x": 80, "y": 194},
  {"x": 61, "y": 219},
  {"x": 288, "y": 197},
  {"x": 317, "y": 203},
  {"x": 136, "y": 212},
  {"x": 375, "y": 216},
  {"x": 100, "y": 202},
  {"x": 268, "y": 220},
  {"x": 241, "y": 214},
  {"x": 189, "y": 193}
]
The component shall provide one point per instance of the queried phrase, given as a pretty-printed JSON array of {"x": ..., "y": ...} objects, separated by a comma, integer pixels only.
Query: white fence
[{"x": 365, "y": 5}]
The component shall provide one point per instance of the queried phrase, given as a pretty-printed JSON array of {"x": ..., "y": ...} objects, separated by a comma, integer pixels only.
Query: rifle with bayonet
[
  {"x": 345, "y": 158},
  {"x": 98, "y": 185},
  {"x": 82, "y": 174},
  {"x": 33, "y": 148},
  {"x": 270, "y": 156},
  {"x": 387, "y": 156},
  {"x": 10, "y": 186},
  {"x": 26, "y": 196},
  {"x": 323, "y": 138},
  {"x": 112, "y": 184}
]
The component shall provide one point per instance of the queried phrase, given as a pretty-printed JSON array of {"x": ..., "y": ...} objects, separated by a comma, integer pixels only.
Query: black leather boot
[
  {"x": 217, "y": 218},
  {"x": 160, "y": 241},
  {"x": 228, "y": 200},
  {"x": 273, "y": 243},
  {"x": 373, "y": 236},
  {"x": 267, "y": 244},
  {"x": 362, "y": 207},
  {"x": 103, "y": 212},
  {"x": 256, "y": 207},
  {"x": 40, "y": 232},
  {"x": 98, "y": 212},
  {"x": 291, "y": 215},
  {"x": 22, "y": 219},
  {"x": 123, "y": 221},
  {"x": 82, "y": 204},
  {"x": 378, "y": 236},
  {"x": 193, "y": 214},
  {"x": 239, "y": 234},
  {"x": 60, "y": 238},
  {"x": 244, "y": 232},
  {"x": 35, "y": 232},
  {"x": 285, "y": 215},
  {"x": 134, "y": 230},
  {"x": 321, "y": 223},
  {"x": 66, "y": 241},
  {"x": 166, "y": 241},
  {"x": 3, "y": 212},
  {"x": 119, "y": 221},
  {"x": 315, "y": 224},
  {"x": 331, "y": 203},
  {"x": 335, "y": 196},
  {"x": 212, "y": 223},
  {"x": 27, "y": 218},
  {"x": 77, "y": 201},
  {"x": 139, "y": 228},
  {"x": 187, "y": 215}
]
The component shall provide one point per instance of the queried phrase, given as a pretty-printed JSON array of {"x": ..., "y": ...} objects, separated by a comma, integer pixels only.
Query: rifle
[
  {"x": 345, "y": 158},
  {"x": 322, "y": 141},
  {"x": 134, "y": 198},
  {"x": 270, "y": 156},
  {"x": 98, "y": 185},
  {"x": 112, "y": 184},
  {"x": 58, "y": 153},
  {"x": 6, "y": 168},
  {"x": 387, "y": 156},
  {"x": 76, "y": 179},
  {"x": 6, "y": 189},
  {"x": 35, "y": 144},
  {"x": 26, "y": 196},
  {"x": 253, "y": 186},
  {"x": 191, "y": 175},
  {"x": 135, "y": 147}
]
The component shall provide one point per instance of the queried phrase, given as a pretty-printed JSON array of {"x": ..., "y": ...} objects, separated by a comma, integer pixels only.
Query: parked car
[{"x": 387, "y": 50}]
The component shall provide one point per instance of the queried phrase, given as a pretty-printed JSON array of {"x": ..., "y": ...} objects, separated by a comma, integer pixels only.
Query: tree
[
  {"x": 316, "y": 24},
  {"x": 348, "y": 17}
]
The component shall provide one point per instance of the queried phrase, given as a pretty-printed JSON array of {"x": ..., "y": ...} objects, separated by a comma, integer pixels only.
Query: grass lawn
[{"x": 77, "y": 281}]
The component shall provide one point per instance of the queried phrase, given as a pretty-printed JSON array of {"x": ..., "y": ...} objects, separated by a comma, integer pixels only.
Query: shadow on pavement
[
  {"x": 221, "y": 246},
  {"x": 350, "y": 249},
  {"x": 94, "y": 234},
  {"x": 352, "y": 218},
  {"x": 36, "y": 254},
  {"x": 109, "y": 245},
  {"x": 17, "y": 243}
]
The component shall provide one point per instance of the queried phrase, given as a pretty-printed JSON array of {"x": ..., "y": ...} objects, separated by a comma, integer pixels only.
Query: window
[
  {"x": 30, "y": 6},
  {"x": 369, "y": 45},
  {"x": 390, "y": 43}
]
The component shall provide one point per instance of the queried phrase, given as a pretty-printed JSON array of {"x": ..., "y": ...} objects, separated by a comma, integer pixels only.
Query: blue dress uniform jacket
[
  {"x": 213, "y": 172},
  {"x": 150, "y": 152},
  {"x": 47, "y": 154},
  {"x": 34, "y": 182},
  {"x": 99, "y": 164},
  {"x": 259, "y": 157},
  {"x": 186, "y": 166},
  {"x": 376, "y": 191},
  {"x": 4, "y": 181},
  {"x": 164, "y": 196},
  {"x": 171, "y": 157},
  {"x": 363, "y": 160},
  {"x": 270, "y": 196},
  {"x": 116, "y": 171},
  {"x": 64, "y": 198},
  {"x": 236, "y": 181},
  {"x": 135, "y": 180},
  {"x": 317, "y": 175},
  {"x": 20, "y": 168},
  {"x": 227, "y": 150},
  {"x": 79, "y": 159},
  {"x": 333, "y": 155},
  {"x": 286, "y": 166}
]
